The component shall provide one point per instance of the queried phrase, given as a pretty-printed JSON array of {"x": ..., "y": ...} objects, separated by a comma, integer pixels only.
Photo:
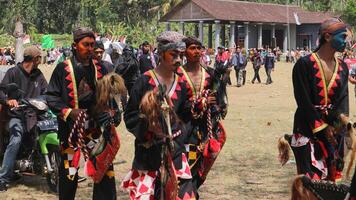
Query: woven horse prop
[
  {"x": 215, "y": 141},
  {"x": 101, "y": 144},
  {"x": 303, "y": 188},
  {"x": 220, "y": 77},
  {"x": 155, "y": 107}
]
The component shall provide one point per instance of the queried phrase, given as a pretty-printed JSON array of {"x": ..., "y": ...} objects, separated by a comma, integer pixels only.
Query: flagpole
[{"x": 288, "y": 25}]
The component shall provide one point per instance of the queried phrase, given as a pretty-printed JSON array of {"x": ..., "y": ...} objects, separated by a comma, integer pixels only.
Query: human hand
[
  {"x": 352, "y": 79},
  {"x": 75, "y": 113},
  {"x": 109, "y": 117},
  {"x": 212, "y": 98},
  {"x": 12, "y": 103}
]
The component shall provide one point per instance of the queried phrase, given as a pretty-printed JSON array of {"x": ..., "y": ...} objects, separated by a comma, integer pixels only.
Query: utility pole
[
  {"x": 18, "y": 34},
  {"x": 288, "y": 26}
]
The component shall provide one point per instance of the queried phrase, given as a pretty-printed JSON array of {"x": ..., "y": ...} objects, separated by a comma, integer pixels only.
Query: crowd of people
[
  {"x": 7, "y": 56},
  {"x": 173, "y": 101},
  {"x": 237, "y": 59},
  {"x": 172, "y": 155},
  {"x": 293, "y": 55}
]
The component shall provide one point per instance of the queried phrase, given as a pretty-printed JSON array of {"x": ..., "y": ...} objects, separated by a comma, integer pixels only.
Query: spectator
[
  {"x": 147, "y": 59},
  {"x": 269, "y": 66},
  {"x": 205, "y": 59},
  {"x": 98, "y": 55},
  {"x": 237, "y": 62},
  {"x": 256, "y": 64}
]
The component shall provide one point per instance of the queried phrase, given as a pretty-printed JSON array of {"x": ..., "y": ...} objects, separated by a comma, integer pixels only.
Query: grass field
[{"x": 247, "y": 167}]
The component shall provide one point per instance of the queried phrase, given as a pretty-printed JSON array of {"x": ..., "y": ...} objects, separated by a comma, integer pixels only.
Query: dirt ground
[{"x": 247, "y": 167}]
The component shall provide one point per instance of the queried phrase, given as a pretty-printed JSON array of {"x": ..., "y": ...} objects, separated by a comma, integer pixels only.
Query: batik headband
[
  {"x": 81, "y": 33},
  {"x": 169, "y": 40},
  {"x": 334, "y": 28},
  {"x": 180, "y": 46}
]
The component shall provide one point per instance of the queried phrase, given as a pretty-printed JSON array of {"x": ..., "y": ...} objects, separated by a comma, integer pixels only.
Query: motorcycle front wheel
[{"x": 55, "y": 160}]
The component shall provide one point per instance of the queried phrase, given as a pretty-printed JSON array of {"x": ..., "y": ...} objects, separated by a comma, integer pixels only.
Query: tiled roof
[{"x": 232, "y": 10}]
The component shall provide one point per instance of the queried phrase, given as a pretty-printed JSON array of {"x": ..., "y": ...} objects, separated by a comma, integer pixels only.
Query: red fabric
[
  {"x": 322, "y": 146},
  {"x": 187, "y": 196},
  {"x": 211, "y": 151},
  {"x": 171, "y": 187},
  {"x": 105, "y": 159},
  {"x": 89, "y": 167},
  {"x": 223, "y": 57},
  {"x": 76, "y": 158},
  {"x": 212, "y": 148}
]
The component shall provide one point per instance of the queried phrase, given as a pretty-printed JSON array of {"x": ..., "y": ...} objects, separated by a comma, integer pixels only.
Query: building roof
[{"x": 241, "y": 11}]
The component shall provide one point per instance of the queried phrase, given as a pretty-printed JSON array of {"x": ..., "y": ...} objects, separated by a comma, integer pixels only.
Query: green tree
[{"x": 349, "y": 14}]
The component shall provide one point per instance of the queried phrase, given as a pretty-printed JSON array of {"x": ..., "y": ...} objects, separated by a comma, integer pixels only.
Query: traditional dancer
[
  {"x": 143, "y": 119},
  {"x": 321, "y": 92},
  {"x": 305, "y": 188},
  {"x": 83, "y": 119},
  {"x": 207, "y": 133}
]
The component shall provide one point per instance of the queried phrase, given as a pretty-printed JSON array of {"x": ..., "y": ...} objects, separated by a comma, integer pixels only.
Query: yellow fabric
[
  {"x": 192, "y": 155},
  {"x": 75, "y": 97},
  {"x": 322, "y": 127},
  {"x": 66, "y": 114},
  {"x": 69, "y": 151},
  {"x": 110, "y": 173},
  {"x": 66, "y": 164}
]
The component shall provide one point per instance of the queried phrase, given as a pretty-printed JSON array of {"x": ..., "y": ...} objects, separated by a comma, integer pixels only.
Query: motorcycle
[{"x": 39, "y": 153}]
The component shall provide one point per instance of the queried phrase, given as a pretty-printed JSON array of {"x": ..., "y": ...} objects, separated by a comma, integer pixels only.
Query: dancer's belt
[
  {"x": 324, "y": 108},
  {"x": 153, "y": 142}
]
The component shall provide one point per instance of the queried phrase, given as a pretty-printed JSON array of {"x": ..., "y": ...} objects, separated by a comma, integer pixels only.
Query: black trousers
[
  {"x": 240, "y": 76},
  {"x": 268, "y": 73},
  {"x": 353, "y": 185},
  {"x": 333, "y": 160},
  {"x": 257, "y": 75},
  {"x": 68, "y": 182}
]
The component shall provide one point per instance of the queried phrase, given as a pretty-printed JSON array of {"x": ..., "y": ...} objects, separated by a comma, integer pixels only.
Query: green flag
[{"x": 47, "y": 42}]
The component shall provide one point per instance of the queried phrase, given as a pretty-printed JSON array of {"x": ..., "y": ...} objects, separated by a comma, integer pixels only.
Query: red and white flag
[
  {"x": 296, "y": 17},
  {"x": 26, "y": 39}
]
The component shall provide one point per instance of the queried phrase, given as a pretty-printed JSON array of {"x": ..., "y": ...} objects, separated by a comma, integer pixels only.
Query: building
[{"x": 249, "y": 24}]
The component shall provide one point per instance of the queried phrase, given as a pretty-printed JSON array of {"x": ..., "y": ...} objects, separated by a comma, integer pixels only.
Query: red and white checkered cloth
[{"x": 140, "y": 183}]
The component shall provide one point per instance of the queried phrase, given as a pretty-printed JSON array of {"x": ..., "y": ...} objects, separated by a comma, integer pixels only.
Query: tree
[{"x": 349, "y": 14}]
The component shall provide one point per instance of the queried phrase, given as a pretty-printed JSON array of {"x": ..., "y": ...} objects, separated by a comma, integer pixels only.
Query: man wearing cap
[
  {"x": 148, "y": 59},
  {"x": 99, "y": 52},
  {"x": 143, "y": 181},
  {"x": 29, "y": 79},
  {"x": 71, "y": 92},
  {"x": 320, "y": 82}
]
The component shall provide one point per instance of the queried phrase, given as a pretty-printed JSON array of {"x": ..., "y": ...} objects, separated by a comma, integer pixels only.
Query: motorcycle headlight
[{"x": 40, "y": 105}]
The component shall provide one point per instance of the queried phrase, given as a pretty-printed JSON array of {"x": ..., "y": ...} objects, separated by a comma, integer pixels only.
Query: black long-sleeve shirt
[
  {"x": 72, "y": 86},
  {"x": 150, "y": 158},
  {"x": 312, "y": 92},
  {"x": 33, "y": 84}
]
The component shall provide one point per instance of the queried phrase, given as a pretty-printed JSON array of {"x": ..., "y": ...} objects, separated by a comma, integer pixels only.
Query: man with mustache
[
  {"x": 200, "y": 86},
  {"x": 143, "y": 119},
  {"x": 70, "y": 92}
]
